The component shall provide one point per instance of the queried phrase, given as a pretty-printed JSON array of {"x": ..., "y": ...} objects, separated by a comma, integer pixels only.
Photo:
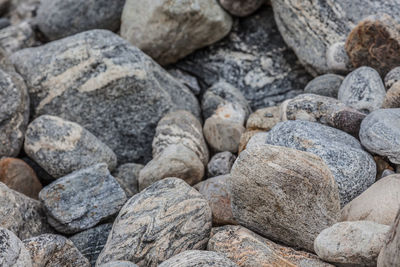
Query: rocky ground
[{"x": 193, "y": 133}]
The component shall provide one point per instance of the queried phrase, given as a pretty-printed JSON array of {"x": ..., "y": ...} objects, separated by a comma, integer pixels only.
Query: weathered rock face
[
  {"x": 389, "y": 255},
  {"x": 163, "y": 220},
  {"x": 54, "y": 250},
  {"x": 272, "y": 188},
  {"x": 12, "y": 250},
  {"x": 263, "y": 119},
  {"x": 252, "y": 58},
  {"x": 54, "y": 16},
  {"x": 325, "y": 85},
  {"x": 335, "y": 147},
  {"x": 170, "y": 30},
  {"x": 69, "y": 77},
  {"x": 220, "y": 164},
  {"x": 351, "y": 243},
  {"x": 241, "y": 8},
  {"x": 127, "y": 176},
  {"x": 193, "y": 258}
]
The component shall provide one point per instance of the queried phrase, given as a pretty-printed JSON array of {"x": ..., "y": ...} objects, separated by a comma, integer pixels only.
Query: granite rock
[
  {"x": 127, "y": 175},
  {"x": 12, "y": 250},
  {"x": 263, "y": 119},
  {"x": 337, "y": 59},
  {"x": 325, "y": 85},
  {"x": 220, "y": 164},
  {"x": 390, "y": 253},
  {"x": 392, "y": 77},
  {"x": 187, "y": 79},
  {"x": 119, "y": 264},
  {"x": 194, "y": 258},
  {"x": 17, "y": 37},
  {"x": 241, "y": 8},
  {"x": 392, "y": 98}
]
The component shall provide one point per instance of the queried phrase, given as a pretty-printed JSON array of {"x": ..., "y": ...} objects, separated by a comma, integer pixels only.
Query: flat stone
[
  {"x": 163, "y": 220},
  {"x": 263, "y": 119},
  {"x": 325, "y": 85},
  {"x": 272, "y": 188},
  {"x": 241, "y": 8},
  {"x": 392, "y": 98},
  {"x": 390, "y": 253},
  {"x": 82, "y": 199},
  {"x": 61, "y": 147},
  {"x": 127, "y": 176},
  {"x": 337, "y": 59},
  {"x": 194, "y": 258},
  {"x": 12, "y": 250},
  {"x": 220, "y": 164},
  {"x": 17, "y": 37}
]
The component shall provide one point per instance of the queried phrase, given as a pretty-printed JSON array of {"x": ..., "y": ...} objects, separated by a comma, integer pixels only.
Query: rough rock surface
[
  {"x": 16, "y": 37},
  {"x": 325, "y": 85},
  {"x": 194, "y": 258},
  {"x": 12, "y": 250},
  {"x": 61, "y": 147},
  {"x": 163, "y": 220},
  {"x": 186, "y": 78},
  {"x": 82, "y": 199},
  {"x": 241, "y": 8},
  {"x": 263, "y": 119},
  {"x": 392, "y": 98},
  {"x": 127, "y": 176},
  {"x": 69, "y": 77},
  {"x": 220, "y": 164},
  {"x": 119, "y": 264},
  {"x": 390, "y": 253},
  {"x": 337, "y": 59},
  {"x": 272, "y": 188},
  {"x": 392, "y": 77},
  {"x": 246, "y": 137}
]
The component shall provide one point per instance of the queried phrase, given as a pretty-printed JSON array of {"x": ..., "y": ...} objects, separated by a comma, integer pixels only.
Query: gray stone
[
  {"x": 53, "y": 251},
  {"x": 392, "y": 77},
  {"x": 71, "y": 77},
  {"x": 337, "y": 59},
  {"x": 165, "y": 219},
  {"x": 390, "y": 253},
  {"x": 325, "y": 85},
  {"x": 220, "y": 164},
  {"x": 353, "y": 168},
  {"x": 380, "y": 133},
  {"x": 187, "y": 79},
  {"x": 4, "y": 23},
  {"x": 61, "y": 147},
  {"x": 82, "y": 199},
  {"x": 392, "y": 98},
  {"x": 16, "y": 37},
  {"x": 23, "y": 10},
  {"x": 254, "y": 59},
  {"x": 195, "y": 258},
  {"x": 12, "y": 250},
  {"x": 351, "y": 243},
  {"x": 127, "y": 176},
  {"x": 54, "y": 16},
  {"x": 241, "y": 8},
  {"x": 284, "y": 194},
  {"x": 387, "y": 172},
  {"x": 119, "y": 264}
]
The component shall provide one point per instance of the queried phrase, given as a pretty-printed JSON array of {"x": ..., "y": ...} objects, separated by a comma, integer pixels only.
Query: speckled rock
[
  {"x": 246, "y": 137},
  {"x": 61, "y": 147},
  {"x": 337, "y": 59},
  {"x": 119, "y": 264},
  {"x": 165, "y": 219},
  {"x": 16, "y": 37},
  {"x": 53, "y": 251},
  {"x": 241, "y": 8},
  {"x": 12, "y": 250},
  {"x": 272, "y": 188},
  {"x": 380, "y": 133},
  {"x": 169, "y": 30},
  {"x": 392, "y": 98},
  {"x": 220, "y": 164},
  {"x": 187, "y": 79},
  {"x": 335, "y": 147},
  {"x": 127, "y": 176},
  {"x": 392, "y": 77},
  {"x": 194, "y": 258},
  {"x": 100, "y": 67},
  {"x": 54, "y": 16},
  {"x": 82, "y": 199},
  {"x": 263, "y": 119},
  {"x": 351, "y": 243},
  {"x": 23, "y": 10},
  {"x": 254, "y": 59},
  {"x": 325, "y": 85},
  {"x": 390, "y": 253}
]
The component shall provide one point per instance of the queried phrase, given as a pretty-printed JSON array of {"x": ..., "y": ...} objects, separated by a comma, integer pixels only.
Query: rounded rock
[
  {"x": 392, "y": 98},
  {"x": 337, "y": 59},
  {"x": 220, "y": 164},
  {"x": 12, "y": 251},
  {"x": 325, "y": 85},
  {"x": 263, "y": 119},
  {"x": 241, "y": 8}
]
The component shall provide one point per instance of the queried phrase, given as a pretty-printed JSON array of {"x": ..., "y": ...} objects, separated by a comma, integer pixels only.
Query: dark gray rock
[
  {"x": 254, "y": 59},
  {"x": 187, "y": 79},
  {"x": 220, "y": 164},
  {"x": 241, "y": 8},
  {"x": 12, "y": 250},
  {"x": 325, "y": 85},
  {"x": 127, "y": 176},
  {"x": 82, "y": 199},
  {"x": 71, "y": 77},
  {"x": 195, "y": 258}
]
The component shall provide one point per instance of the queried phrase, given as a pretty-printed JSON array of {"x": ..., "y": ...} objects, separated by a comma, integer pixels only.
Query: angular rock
[
  {"x": 263, "y": 119},
  {"x": 119, "y": 264},
  {"x": 82, "y": 199},
  {"x": 12, "y": 250},
  {"x": 272, "y": 188},
  {"x": 325, "y": 85},
  {"x": 61, "y": 147},
  {"x": 337, "y": 59},
  {"x": 16, "y": 37},
  {"x": 127, "y": 175},
  {"x": 163, "y": 220},
  {"x": 194, "y": 258},
  {"x": 241, "y": 8},
  {"x": 70, "y": 77},
  {"x": 392, "y": 98},
  {"x": 220, "y": 164},
  {"x": 390, "y": 253},
  {"x": 187, "y": 79}
]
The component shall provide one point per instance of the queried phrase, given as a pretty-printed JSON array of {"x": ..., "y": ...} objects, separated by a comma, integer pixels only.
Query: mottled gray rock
[
  {"x": 82, "y": 199},
  {"x": 187, "y": 79},
  {"x": 353, "y": 168},
  {"x": 392, "y": 98},
  {"x": 254, "y": 59},
  {"x": 325, "y": 85},
  {"x": 12, "y": 250},
  {"x": 61, "y": 147},
  {"x": 70, "y": 77},
  {"x": 165, "y": 219},
  {"x": 92, "y": 241},
  {"x": 16, "y": 37},
  {"x": 23, "y": 10},
  {"x": 127, "y": 176},
  {"x": 4, "y": 23},
  {"x": 241, "y": 8},
  {"x": 390, "y": 253},
  {"x": 14, "y": 113},
  {"x": 337, "y": 59},
  {"x": 351, "y": 243},
  {"x": 119, "y": 264},
  {"x": 54, "y": 16},
  {"x": 194, "y": 258},
  {"x": 380, "y": 133},
  {"x": 272, "y": 191},
  {"x": 53, "y": 251},
  {"x": 392, "y": 77},
  {"x": 220, "y": 164}
]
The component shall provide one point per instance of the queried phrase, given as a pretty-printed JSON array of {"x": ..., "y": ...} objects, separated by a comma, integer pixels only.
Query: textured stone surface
[
  {"x": 392, "y": 98},
  {"x": 70, "y": 77},
  {"x": 54, "y": 16},
  {"x": 353, "y": 168},
  {"x": 23, "y": 10},
  {"x": 54, "y": 250},
  {"x": 187, "y": 79},
  {"x": 390, "y": 253},
  {"x": 241, "y": 8},
  {"x": 61, "y": 147},
  {"x": 263, "y": 119},
  {"x": 254, "y": 59},
  {"x": 169, "y": 30},
  {"x": 12, "y": 250},
  {"x": 272, "y": 191},
  {"x": 194, "y": 258},
  {"x": 245, "y": 138},
  {"x": 352, "y": 243},
  {"x": 163, "y": 220},
  {"x": 325, "y": 85},
  {"x": 220, "y": 164},
  {"x": 380, "y": 133},
  {"x": 337, "y": 59},
  {"x": 127, "y": 176},
  {"x": 16, "y": 37},
  {"x": 392, "y": 77},
  {"x": 119, "y": 264},
  {"x": 82, "y": 199}
]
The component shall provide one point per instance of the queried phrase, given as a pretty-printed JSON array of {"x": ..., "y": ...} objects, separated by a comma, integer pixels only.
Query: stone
[
  {"x": 23, "y": 10},
  {"x": 337, "y": 59},
  {"x": 218, "y": 194},
  {"x": 379, "y": 203},
  {"x": 127, "y": 175},
  {"x": 194, "y": 258},
  {"x": 12, "y": 251},
  {"x": 170, "y": 30},
  {"x": 363, "y": 89},
  {"x": 163, "y": 220},
  {"x": 187, "y": 79},
  {"x": 100, "y": 67},
  {"x": 99, "y": 197},
  {"x": 272, "y": 188},
  {"x": 14, "y": 113},
  {"x": 375, "y": 42},
  {"x": 220, "y": 164},
  {"x": 241, "y": 8},
  {"x": 351, "y": 243},
  {"x": 353, "y": 168},
  {"x": 380, "y": 133},
  {"x": 263, "y": 119},
  {"x": 252, "y": 58},
  {"x": 43, "y": 176},
  {"x": 389, "y": 255},
  {"x": 245, "y": 138},
  {"x": 54, "y": 250},
  {"x": 175, "y": 161},
  {"x": 19, "y": 176},
  {"x": 92, "y": 241},
  {"x": 61, "y": 147},
  {"x": 4, "y": 4},
  {"x": 392, "y": 98},
  {"x": 119, "y": 264},
  {"x": 325, "y": 85},
  {"x": 54, "y": 16},
  {"x": 382, "y": 164},
  {"x": 17, "y": 37},
  {"x": 387, "y": 172},
  {"x": 392, "y": 77}
]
